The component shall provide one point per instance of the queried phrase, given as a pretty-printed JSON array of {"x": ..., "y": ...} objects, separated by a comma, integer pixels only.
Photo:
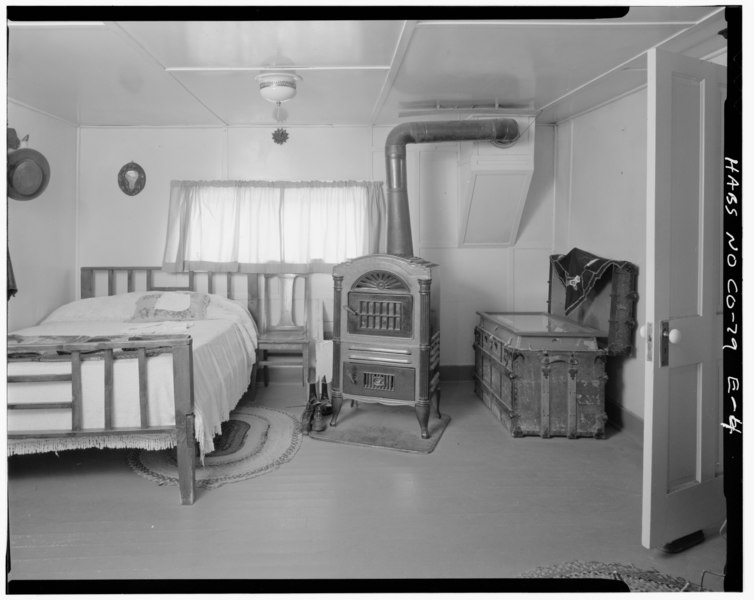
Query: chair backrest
[{"x": 284, "y": 303}]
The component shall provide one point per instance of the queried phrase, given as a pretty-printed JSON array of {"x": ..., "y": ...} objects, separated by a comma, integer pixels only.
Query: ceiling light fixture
[{"x": 277, "y": 87}]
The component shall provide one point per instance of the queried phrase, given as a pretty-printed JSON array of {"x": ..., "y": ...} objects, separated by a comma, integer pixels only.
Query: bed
[{"x": 155, "y": 368}]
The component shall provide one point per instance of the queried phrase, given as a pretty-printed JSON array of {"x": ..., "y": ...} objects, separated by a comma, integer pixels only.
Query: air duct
[{"x": 399, "y": 242}]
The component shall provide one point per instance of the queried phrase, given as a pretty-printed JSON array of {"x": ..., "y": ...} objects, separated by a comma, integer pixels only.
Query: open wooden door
[{"x": 683, "y": 476}]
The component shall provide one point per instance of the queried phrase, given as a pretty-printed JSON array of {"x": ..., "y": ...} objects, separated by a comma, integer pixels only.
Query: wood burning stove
[{"x": 386, "y": 337}]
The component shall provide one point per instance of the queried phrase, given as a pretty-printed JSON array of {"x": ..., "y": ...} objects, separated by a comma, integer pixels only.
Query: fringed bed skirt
[{"x": 142, "y": 442}]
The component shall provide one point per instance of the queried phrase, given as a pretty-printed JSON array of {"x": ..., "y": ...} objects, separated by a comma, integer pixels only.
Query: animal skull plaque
[{"x": 131, "y": 178}]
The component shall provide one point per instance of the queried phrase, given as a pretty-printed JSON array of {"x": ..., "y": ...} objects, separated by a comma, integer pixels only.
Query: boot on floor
[{"x": 308, "y": 415}]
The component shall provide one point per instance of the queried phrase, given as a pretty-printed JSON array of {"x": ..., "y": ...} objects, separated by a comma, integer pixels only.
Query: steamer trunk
[{"x": 541, "y": 374}]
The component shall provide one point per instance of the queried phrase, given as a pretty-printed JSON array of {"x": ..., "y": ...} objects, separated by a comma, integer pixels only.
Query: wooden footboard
[{"x": 108, "y": 350}]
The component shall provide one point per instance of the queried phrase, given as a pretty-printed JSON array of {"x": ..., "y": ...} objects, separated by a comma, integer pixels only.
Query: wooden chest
[{"x": 541, "y": 374}]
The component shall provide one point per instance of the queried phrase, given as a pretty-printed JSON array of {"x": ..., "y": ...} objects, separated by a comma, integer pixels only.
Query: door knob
[
  {"x": 674, "y": 336},
  {"x": 643, "y": 331}
]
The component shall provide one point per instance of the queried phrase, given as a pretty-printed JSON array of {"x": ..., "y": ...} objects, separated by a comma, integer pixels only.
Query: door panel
[
  {"x": 683, "y": 399},
  {"x": 685, "y": 163},
  {"x": 682, "y": 490}
]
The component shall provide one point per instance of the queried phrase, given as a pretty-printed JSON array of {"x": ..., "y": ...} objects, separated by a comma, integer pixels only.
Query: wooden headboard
[{"x": 120, "y": 280}]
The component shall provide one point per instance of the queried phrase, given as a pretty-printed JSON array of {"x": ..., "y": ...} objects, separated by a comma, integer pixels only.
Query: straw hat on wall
[{"x": 28, "y": 174}]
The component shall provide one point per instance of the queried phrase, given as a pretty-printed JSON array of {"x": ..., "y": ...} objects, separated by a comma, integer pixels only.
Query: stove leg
[
  {"x": 337, "y": 402},
  {"x": 422, "y": 413}
]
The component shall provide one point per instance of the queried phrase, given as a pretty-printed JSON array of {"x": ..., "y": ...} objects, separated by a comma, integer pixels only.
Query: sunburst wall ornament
[{"x": 280, "y": 136}]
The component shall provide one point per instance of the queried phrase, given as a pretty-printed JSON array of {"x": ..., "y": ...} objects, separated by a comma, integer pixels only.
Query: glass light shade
[{"x": 277, "y": 87}]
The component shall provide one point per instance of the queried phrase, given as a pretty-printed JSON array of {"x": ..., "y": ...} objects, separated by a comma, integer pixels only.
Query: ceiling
[{"x": 354, "y": 72}]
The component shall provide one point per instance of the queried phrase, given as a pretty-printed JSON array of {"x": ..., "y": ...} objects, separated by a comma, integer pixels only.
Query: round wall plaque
[{"x": 131, "y": 178}]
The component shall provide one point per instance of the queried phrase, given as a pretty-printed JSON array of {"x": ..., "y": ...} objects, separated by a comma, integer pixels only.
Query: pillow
[
  {"x": 156, "y": 307},
  {"x": 100, "y": 308}
]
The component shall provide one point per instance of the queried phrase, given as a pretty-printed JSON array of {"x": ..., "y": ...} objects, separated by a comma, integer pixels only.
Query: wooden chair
[{"x": 284, "y": 324}]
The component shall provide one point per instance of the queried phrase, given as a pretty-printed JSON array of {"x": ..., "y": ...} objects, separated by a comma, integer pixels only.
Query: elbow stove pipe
[{"x": 399, "y": 240}]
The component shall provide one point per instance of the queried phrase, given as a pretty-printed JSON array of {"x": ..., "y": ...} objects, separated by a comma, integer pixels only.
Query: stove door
[
  {"x": 372, "y": 313},
  {"x": 381, "y": 381}
]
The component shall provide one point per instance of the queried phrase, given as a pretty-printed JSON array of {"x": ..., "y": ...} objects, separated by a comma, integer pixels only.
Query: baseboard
[
  {"x": 617, "y": 416},
  {"x": 456, "y": 372},
  {"x": 447, "y": 373},
  {"x": 280, "y": 375}
]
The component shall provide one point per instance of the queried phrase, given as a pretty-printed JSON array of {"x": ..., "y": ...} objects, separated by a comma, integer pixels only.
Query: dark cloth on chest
[{"x": 579, "y": 271}]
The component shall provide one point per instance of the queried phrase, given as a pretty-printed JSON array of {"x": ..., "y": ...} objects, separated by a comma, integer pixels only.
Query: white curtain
[{"x": 272, "y": 226}]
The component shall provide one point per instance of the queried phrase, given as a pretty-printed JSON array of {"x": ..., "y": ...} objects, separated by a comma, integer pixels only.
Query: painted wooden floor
[{"x": 482, "y": 505}]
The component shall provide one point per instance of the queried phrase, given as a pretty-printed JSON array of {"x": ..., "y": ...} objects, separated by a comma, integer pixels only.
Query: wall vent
[{"x": 494, "y": 185}]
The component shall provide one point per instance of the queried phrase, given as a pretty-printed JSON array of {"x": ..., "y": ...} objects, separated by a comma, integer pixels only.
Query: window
[{"x": 273, "y": 227}]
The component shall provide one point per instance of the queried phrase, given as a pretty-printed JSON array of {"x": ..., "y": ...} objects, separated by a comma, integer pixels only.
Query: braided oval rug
[
  {"x": 638, "y": 580},
  {"x": 258, "y": 440}
]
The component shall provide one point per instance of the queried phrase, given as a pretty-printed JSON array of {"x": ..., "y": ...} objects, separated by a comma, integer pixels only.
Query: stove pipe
[{"x": 399, "y": 240}]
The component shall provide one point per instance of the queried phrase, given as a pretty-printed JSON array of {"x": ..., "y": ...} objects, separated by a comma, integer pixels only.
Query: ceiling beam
[
  {"x": 283, "y": 69},
  {"x": 401, "y": 48},
  {"x": 118, "y": 29}
]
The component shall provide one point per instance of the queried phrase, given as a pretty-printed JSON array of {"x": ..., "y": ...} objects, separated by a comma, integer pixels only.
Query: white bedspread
[{"x": 224, "y": 354}]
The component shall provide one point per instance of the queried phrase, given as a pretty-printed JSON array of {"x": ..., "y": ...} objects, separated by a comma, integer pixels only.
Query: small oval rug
[{"x": 270, "y": 438}]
